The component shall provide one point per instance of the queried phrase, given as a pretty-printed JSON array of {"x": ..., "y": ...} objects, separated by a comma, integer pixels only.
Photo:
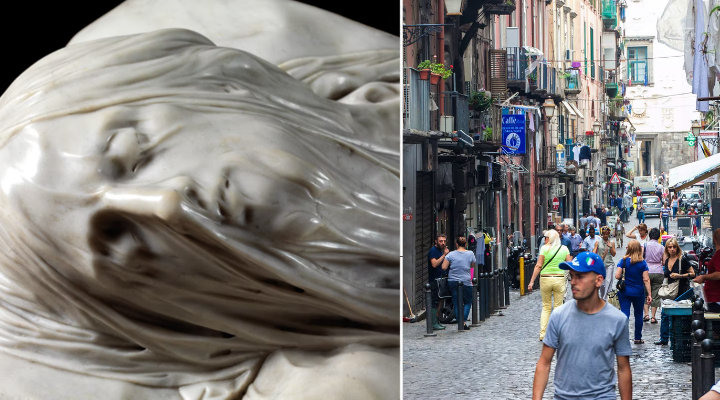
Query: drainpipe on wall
[
  {"x": 533, "y": 204},
  {"x": 441, "y": 50}
]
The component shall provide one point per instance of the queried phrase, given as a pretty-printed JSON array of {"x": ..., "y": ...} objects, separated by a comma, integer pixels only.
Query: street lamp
[
  {"x": 696, "y": 128},
  {"x": 549, "y": 106},
  {"x": 596, "y": 127}
]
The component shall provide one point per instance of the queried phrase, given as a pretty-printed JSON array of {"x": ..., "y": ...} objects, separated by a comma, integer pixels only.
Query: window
[
  {"x": 592, "y": 54},
  {"x": 585, "y": 46},
  {"x": 637, "y": 64}
]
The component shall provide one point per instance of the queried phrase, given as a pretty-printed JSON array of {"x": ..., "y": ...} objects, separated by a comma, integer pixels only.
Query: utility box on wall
[{"x": 512, "y": 36}]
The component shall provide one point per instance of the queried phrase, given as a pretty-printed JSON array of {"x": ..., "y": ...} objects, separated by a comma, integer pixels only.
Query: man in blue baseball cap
[{"x": 589, "y": 335}]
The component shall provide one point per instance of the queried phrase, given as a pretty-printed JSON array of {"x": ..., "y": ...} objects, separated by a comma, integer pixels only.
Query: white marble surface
[
  {"x": 174, "y": 212},
  {"x": 275, "y": 30}
]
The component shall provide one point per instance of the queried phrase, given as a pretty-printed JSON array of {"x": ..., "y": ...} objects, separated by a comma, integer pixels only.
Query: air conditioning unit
[{"x": 561, "y": 189}]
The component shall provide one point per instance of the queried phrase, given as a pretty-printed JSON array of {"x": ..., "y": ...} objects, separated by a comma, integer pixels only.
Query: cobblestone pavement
[{"x": 496, "y": 360}]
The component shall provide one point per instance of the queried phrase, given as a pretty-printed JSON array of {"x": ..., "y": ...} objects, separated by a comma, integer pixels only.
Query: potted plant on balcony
[
  {"x": 437, "y": 71},
  {"x": 479, "y": 101},
  {"x": 424, "y": 69},
  {"x": 487, "y": 134}
]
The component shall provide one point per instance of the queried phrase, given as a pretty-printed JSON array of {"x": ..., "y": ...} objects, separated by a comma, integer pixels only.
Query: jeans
[
  {"x": 637, "y": 304},
  {"x": 552, "y": 292},
  {"x": 666, "y": 222},
  {"x": 641, "y": 217},
  {"x": 674, "y": 211},
  {"x": 664, "y": 328},
  {"x": 466, "y": 296}
]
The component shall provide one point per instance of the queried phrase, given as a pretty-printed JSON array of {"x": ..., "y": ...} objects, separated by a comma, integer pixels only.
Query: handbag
[
  {"x": 620, "y": 286},
  {"x": 670, "y": 290},
  {"x": 443, "y": 288}
]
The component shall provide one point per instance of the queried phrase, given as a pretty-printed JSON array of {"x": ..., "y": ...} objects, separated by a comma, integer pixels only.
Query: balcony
[
  {"x": 517, "y": 62},
  {"x": 547, "y": 79},
  {"x": 505, "y": 7},
  {"x": 572, "y": 82},
  {"x": 416, "y": 102},
  {"x": 616, "y": 112},
  {"x": 611, "y": 86},
  {"x": 609, "y": 14},
  {"x": 548, "y": 161},
  {"x": 456, "y": 106}
]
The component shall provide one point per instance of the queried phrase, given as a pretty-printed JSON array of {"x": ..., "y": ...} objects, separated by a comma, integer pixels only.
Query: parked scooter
[{"x": 704, "y": 256}]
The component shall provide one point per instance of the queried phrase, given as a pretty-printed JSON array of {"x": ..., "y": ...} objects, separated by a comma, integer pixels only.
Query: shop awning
[
  {"x": 579, "y": 114},
  {"x": 569, "y": 109},
  {"x": 688, "y": 174}
]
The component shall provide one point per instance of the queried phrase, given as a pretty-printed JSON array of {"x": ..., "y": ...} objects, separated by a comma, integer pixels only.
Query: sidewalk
[{"x": 496, "y": 360}]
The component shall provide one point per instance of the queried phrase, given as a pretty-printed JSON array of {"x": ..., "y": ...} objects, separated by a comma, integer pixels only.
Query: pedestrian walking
[
  {"x": 627, "y": 205},
  {"x": 460, "y": 262},
  {"x": 619, "y": 233},
  {"x": 633, "y": 269},
  {"x": 552, "y": 278},
  {"x": 711, "y": 280},
  {"x": 605, "y": 248},
  {"x": 674, "y": 205},
  {"x": 654, "y": 255},
  {"x": 436, "y": 256},
  {"x": 640, "y": 211},
  {"x": 676, "y": 268},
  {"x": 665, "y": 215},
  {"x": 639, "y": 233},
  {"x": 575, "y": 241},
  {"x": 590, "y": 336},
  {"x": 692, "y": 213},
  {"x": 588, "y": 244},
  {"x": 583, "y": 221}
]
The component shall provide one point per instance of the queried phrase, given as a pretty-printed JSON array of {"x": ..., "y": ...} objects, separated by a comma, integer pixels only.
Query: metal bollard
[
  {"x": 493, "y": 305},
  {"x": 459, "y": 312},
  {"x": 707, "y": 362},
  {"x": 483, "y": 296},
  {"x": 475, "y": 311},
  {"x": 696, "y": 368},
  {"x": 428, "y": 311},
  {"x": 698, "y": 312},
  {"x": 501, "y": 289},
  {"x": 507, "y": 288}
]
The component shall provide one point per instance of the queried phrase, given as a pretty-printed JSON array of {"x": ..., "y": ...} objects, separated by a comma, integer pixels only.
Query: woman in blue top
[
  {"x": 460, "y": 262},
  {"x": 637, "y": 283}
]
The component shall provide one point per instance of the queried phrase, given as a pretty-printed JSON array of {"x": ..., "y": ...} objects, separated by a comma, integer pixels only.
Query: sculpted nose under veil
[{"x": 143, "y": 262}]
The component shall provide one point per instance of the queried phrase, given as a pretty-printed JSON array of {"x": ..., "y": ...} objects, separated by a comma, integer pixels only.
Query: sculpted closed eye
[{"x": 123, "y": 154}]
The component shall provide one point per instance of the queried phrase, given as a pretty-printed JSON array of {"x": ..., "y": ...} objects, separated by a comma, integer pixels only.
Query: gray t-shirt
[
  {"x": 460, "y": 262},
  {"x": 586, "y": 346}
]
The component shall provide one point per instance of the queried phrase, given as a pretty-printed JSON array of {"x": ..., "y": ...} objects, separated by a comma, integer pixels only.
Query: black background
[{"x": 31, "y": 30}]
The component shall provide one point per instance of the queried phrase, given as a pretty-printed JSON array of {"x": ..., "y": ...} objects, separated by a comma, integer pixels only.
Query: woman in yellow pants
[{"x": 552, "y": 278}]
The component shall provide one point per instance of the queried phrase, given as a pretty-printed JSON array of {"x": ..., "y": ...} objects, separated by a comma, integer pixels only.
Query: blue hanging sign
[{"x": 513, "y": 133}]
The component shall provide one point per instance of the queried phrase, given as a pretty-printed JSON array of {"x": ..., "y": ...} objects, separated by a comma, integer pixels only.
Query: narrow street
[{"x": 496, "y": 360}]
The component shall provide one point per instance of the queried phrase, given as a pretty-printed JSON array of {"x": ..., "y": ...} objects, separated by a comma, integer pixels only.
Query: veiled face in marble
[{"x": 204, "y": 191}]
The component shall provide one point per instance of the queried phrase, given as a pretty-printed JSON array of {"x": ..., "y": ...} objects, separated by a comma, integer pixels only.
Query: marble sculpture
[{"x": 188, "y": 220}]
